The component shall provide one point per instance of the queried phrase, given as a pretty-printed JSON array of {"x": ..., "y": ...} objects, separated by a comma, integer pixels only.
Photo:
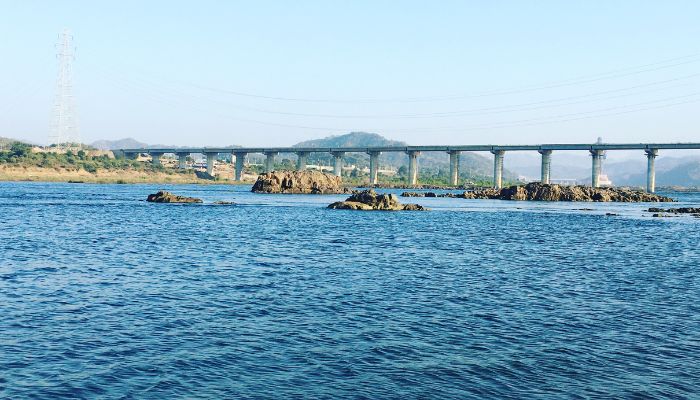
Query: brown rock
[
  {"x": 167, "y": 197},
  {"x": 370, "y": 200},
  {"x": 299, "y": 182},
  {"x": 680, "y": 210},
  {"x": 536, "y": 191}
]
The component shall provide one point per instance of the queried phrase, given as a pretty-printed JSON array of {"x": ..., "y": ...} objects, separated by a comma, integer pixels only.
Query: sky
[{"x": 273, "y": 73}]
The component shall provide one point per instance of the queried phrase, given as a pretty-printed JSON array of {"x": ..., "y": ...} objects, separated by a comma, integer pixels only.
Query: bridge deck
[{"x": 565, "y": 147}]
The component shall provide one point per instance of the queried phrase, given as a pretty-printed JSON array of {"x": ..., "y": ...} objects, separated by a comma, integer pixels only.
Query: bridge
[{"x": 597, "y": 150}]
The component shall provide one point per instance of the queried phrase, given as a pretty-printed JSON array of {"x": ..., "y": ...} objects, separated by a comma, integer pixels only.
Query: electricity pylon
[{"x": 64, "y": 127}]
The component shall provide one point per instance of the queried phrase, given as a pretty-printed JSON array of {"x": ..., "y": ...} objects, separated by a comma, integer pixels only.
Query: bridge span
[{"x": 597, "y": 150}]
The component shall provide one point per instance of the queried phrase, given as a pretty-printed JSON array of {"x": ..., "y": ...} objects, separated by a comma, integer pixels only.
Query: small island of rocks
[
  {"x": 166, "y": 197},
  {"x": 536, "y": 191},
  {"x": 369, "y": 200},
  {"x": 299, "y": 182}
]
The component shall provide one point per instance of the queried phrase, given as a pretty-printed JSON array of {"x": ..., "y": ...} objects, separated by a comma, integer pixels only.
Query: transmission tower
[{"x": 64, "y": 127}]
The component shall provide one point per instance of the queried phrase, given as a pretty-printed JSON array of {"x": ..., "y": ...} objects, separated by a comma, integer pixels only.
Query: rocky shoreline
[
  {"x": 369, "y": 200},
  {"x": 536, "y": 191}
]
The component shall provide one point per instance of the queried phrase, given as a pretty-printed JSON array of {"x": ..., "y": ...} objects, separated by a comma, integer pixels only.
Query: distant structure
[{"x": 64, "y": 127}]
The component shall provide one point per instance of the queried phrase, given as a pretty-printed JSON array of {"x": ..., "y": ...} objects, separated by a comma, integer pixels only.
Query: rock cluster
[
  {"x": 298, "y": 182},
  {"x": 167, "y": 197},
  {"x": 662, "y": 212},
  {"x": 369, "y": 200},
  {"x": 680, "y": 210},
  {"x": 544, "y": 192}
]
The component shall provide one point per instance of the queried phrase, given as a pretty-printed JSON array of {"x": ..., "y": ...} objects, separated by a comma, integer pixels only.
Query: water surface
[{"x": 103, "y": 295}]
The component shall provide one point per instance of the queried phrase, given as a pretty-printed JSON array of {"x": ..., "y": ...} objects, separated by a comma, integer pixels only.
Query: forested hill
[
  {"x": 353, "y": 139},
  {"x": 471, "y": 164}
]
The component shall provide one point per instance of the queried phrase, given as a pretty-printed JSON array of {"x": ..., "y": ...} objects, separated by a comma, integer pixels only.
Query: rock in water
[
  {"x": 299, "y": 182},
  {"x": 368, "y": 200},
  {"x": 167, "y": 197},
  {"x": 681, "y": 210},
  {"x": 544, "y": 192}
]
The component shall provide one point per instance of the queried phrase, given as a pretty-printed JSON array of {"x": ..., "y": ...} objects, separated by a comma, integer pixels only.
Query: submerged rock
[
  {"x": 680, "y": 210},
  {"x": 298, "y": 182},
  {"x": 167, "y": 197},
  {"x": 668, "y": 212},
  {"x": 369, "y": 200}
]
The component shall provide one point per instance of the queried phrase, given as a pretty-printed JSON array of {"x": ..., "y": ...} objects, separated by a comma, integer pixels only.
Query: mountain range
[
  {"x": 471, "y": 164},
  {"x": 671, "y": 171}
]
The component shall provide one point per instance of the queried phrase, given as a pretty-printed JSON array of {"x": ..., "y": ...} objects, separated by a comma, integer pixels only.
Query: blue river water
[{"x": 103, "y": 295}]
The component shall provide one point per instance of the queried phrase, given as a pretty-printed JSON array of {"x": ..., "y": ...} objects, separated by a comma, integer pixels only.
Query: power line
[
  {"x": 599, "y": 113},
  {"x": 558, "y": 102},
  {"x": 551, "y": 85}
]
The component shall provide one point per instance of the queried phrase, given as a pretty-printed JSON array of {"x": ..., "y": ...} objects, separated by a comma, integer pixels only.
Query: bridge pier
[
  {"x": 240, "y": 160},
  {"x": 454, "y": 167},
  {"x": 498, "y": 168},
  {"x": 413, "y": 167},
  {"x": 182, "y": 160},
  {"x": 338, "y": 162},
  {"x": 270, "y": 161},
  {"x": 302, "y": 156},
  {"x": 651, "y": 170},
  {"x": 596, "y": 157},
  {"x": 211, "y": 158},
  {"x": 373, "y": 166},
  {"x": 155, "y": 159},
  {"x": 546, "y": 165}
]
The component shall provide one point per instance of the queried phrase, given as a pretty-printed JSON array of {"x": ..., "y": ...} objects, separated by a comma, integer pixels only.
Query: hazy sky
[{"x": 278, "y": 72}]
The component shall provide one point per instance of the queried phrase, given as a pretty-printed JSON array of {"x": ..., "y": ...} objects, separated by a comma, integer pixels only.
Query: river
[{"x": 103, "y": 295}]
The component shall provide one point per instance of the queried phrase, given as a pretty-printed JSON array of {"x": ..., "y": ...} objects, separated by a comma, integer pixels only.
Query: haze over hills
[
  {"x": 126, "y": 143},
  {"x": 672, "y": 171},
  {"x": 471, "y": 164},
  {"x": 676, "y": 171}
]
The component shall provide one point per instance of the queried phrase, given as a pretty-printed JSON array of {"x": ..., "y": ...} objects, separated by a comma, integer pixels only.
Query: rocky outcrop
[
  {"x": 369, "y": 200},
  {"x": 543, "y": 192},
  {"x": 167, "y": 197},
  {"x": 667, "y": 212},
  {"x": 299, "y": 182},
  {"x": 680, "y": 210}
]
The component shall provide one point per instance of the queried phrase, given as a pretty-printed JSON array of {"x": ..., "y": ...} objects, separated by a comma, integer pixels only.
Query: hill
[
  {"x": 127, "y": 143},
  {"x": 670, "y": 171},
  {"x": 352, "y": 139},
  {"x": 472, "y": 165}
]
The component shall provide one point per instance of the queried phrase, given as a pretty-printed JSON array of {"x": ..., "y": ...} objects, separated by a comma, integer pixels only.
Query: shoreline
[
  {"x": 104, "y": 176},
  {"x": 173, "y": 177}
]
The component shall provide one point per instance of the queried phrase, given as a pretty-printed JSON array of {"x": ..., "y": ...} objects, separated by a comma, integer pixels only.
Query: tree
[{"x": 19, "y": 150}]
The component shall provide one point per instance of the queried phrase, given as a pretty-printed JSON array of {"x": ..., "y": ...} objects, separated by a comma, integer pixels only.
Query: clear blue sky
[{"x": 424, "y": 72}]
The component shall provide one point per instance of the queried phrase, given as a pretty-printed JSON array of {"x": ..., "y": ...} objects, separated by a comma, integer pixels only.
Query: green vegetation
[{"x": 20, "y": 154}]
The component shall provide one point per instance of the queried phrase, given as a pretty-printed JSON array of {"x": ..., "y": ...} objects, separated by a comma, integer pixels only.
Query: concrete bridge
[{"x": 596, "y": 150}]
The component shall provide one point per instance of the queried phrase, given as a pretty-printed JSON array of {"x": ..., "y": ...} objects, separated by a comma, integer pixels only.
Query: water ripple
[{"x": 106, "y": 296}]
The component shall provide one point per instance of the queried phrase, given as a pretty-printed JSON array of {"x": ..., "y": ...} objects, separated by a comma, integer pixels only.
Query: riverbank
[{"x": 126, "y": 176}]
